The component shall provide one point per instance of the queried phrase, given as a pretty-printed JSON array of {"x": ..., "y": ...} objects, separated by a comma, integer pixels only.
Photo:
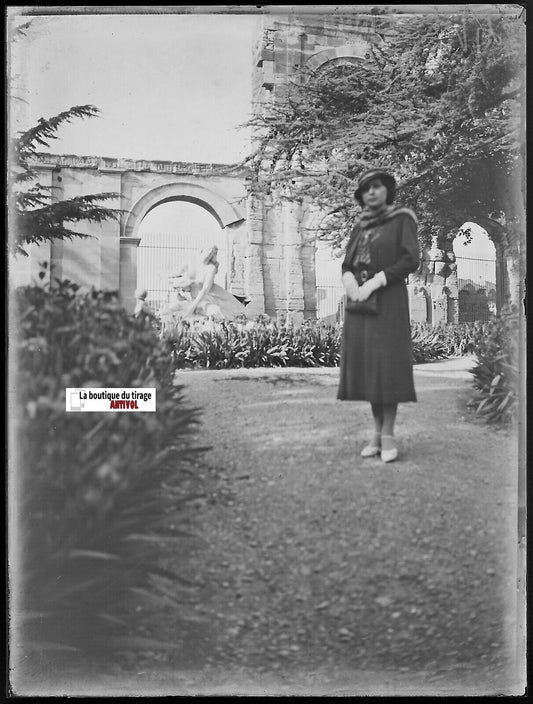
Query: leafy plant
[
  {"x": 496, "y": 372},
  {"x": 35, "y": 216},
  {"x": 265, "y": 343},
  {"x": 432, "y": 342},
  {"x": 100, "y": 497}
]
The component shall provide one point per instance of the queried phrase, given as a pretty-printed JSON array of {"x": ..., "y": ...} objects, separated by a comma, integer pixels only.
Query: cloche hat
[{"x": 387, "y": 178}]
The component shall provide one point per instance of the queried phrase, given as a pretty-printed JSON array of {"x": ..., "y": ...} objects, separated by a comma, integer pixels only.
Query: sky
[{"x": 169, "y": 86}]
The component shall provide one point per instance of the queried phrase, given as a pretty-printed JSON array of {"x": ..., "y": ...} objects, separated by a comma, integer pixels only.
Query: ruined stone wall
[
  {"x": 287, "y": 43},
  {"x": 433, "y": 289}
]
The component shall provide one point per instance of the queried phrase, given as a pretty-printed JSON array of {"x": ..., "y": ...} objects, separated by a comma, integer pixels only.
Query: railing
[
  {"x": 330, "y": 299},
  {"x": 478, "y": 290}
]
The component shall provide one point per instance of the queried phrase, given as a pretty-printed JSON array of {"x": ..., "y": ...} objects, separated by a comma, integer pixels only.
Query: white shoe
[
  {"x": 373, "y": 448},
  {"x": 370, "y": 451},
  {"x": 389, "y": 454}
]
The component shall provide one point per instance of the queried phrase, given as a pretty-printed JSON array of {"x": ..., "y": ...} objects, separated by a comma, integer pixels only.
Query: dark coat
[{"x": 376, "y": 352}]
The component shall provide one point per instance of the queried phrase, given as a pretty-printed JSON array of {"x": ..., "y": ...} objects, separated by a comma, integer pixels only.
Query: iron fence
[
  {"x": 479, "y": 293},
  {"x": 330, "y": 296},
  {"x": 162, "y": 254}
]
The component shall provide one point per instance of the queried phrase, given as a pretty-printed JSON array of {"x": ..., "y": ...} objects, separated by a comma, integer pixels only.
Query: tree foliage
[
  {"x": 440, "y": 103},
  {"x": 36, "y": 217}
]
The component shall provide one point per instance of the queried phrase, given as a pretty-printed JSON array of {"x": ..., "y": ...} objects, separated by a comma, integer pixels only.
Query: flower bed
[{"x": 266, "y": 343}]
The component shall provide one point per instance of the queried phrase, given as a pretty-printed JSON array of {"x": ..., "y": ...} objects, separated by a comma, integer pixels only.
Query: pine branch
[
  {"x": 78, "y": 209},
  {"x": 31, "y": 140},
  {"x": 35, "y": 218}
]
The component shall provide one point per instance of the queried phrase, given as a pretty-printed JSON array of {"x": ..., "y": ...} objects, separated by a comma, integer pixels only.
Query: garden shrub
[
  {"x": 432, "y": 342},
  {"x": 266, "y": 343},
  {"x": 496, "y": 370},
  {"x": 98, "y": 496},
  {"x": 263, "y": 343},
  {"x": 428, "y": 343}
]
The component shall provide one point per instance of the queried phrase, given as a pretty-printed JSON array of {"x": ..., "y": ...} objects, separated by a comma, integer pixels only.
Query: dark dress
[{"x": 376, "y": 362}]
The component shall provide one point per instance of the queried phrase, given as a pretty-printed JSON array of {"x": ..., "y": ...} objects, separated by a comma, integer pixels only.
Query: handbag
[{"x": 368, "y": 307}]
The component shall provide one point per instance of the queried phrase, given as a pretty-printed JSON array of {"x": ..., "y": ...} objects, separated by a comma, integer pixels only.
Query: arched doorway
[
  {"x": 171, "y": 234},
  {"x": 475, "y": 255},
  {"x": 222, "y": 218}
]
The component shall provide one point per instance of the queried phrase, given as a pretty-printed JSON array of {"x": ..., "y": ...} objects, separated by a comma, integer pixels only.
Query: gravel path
[{"x": 323, "y": 573}]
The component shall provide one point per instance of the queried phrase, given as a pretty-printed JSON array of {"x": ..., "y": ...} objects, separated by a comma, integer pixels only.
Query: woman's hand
[
  {"x": 351, "y": 285},
  {"x": 368, "y": 288}
]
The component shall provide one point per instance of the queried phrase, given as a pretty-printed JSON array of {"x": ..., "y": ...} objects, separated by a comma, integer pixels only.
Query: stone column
[
  {"x": 110, "y": 238},
  {"x": 292, "y": 263},
  {"x": 128, "y": 271},
  {"x": 307, "y": 257},
  {"x": 439, "y": 305},
  {"x": 236, "y": 241},
  {"x": 252, "y": 260}
]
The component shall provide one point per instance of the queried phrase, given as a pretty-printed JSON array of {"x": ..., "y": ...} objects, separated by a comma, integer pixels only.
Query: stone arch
[
  {"x": 483, "y": 271},
  {"x": 223, "y": 211},
  {"x": 338, "y": 61},
  {"x": 341, "y": 55},
  {"x": 506, "y": 256},
  {"x": 494, "y": 226},
  {"x": 347, "y": 53}
]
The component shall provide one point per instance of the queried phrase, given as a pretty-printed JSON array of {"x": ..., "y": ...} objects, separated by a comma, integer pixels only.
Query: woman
[
  {"x": 376, "y": 353},
  {"x": 207, "y": 299}
]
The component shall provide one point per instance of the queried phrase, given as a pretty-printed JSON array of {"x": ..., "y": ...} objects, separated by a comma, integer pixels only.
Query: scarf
[
  {"x": 372, "y": 218},
  {"x": 360, "y": 249}
]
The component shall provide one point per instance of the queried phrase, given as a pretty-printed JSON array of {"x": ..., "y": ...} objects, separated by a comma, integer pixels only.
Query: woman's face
[{"x": 374, "y": 193}]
